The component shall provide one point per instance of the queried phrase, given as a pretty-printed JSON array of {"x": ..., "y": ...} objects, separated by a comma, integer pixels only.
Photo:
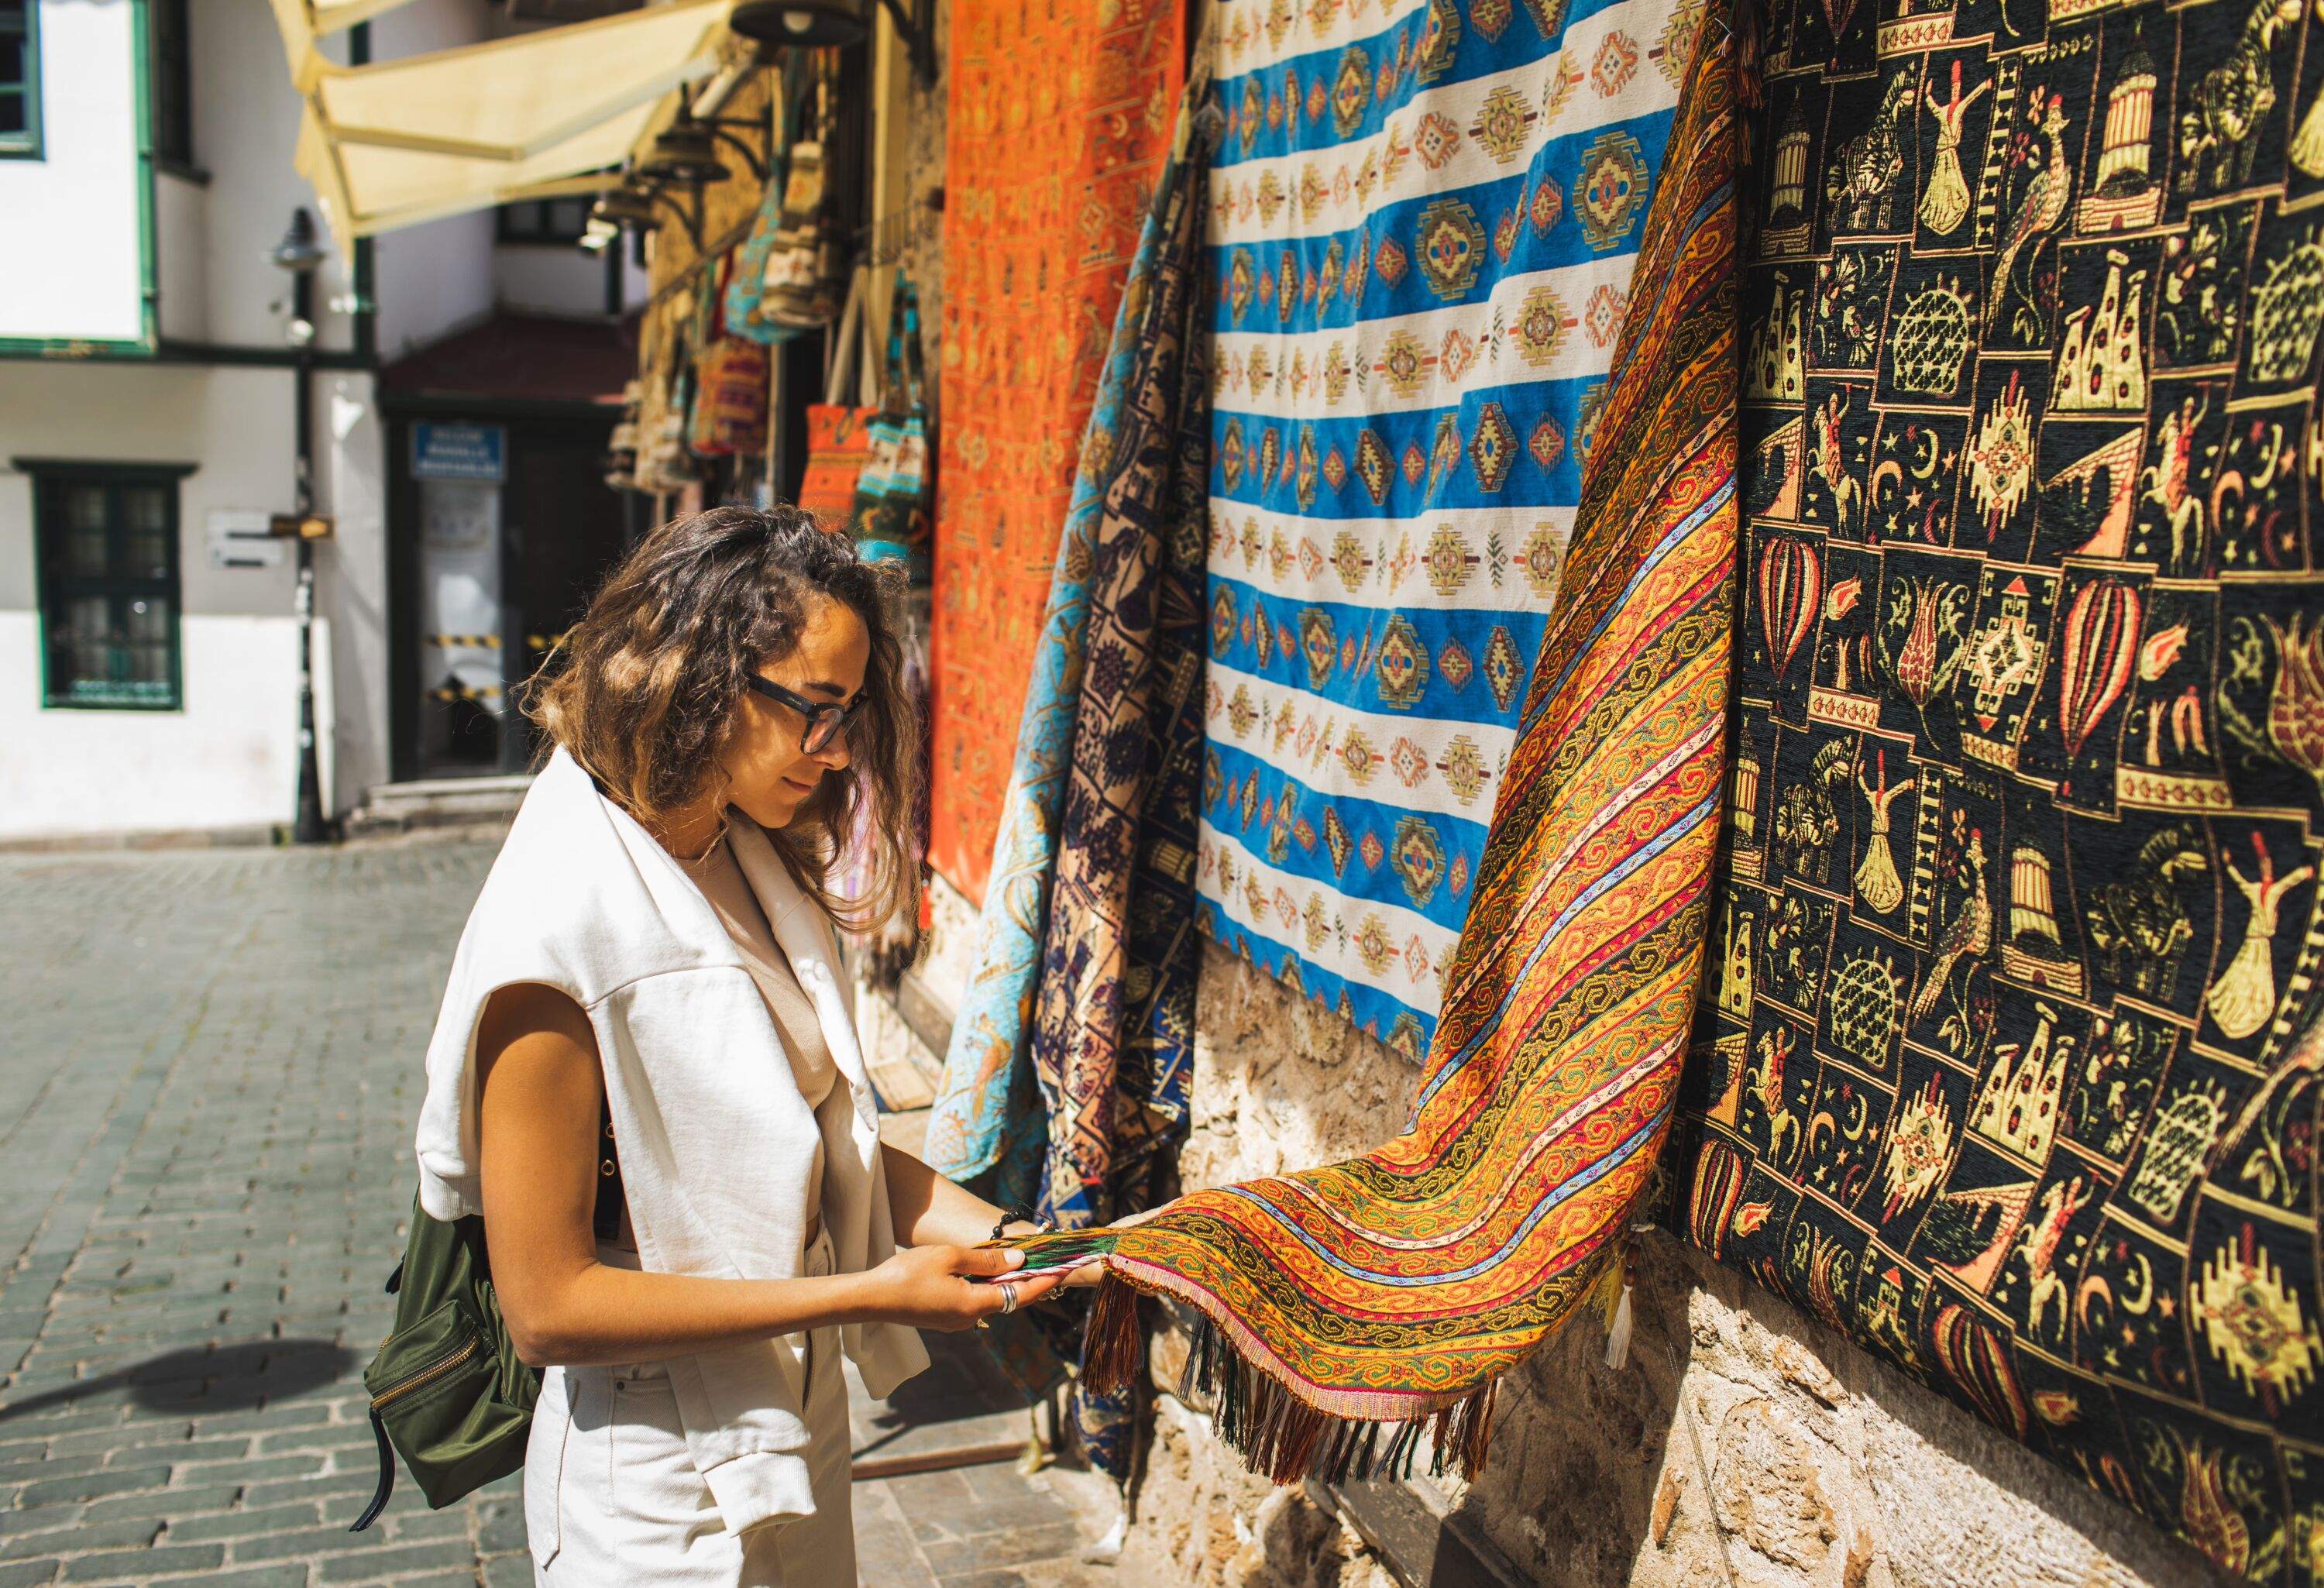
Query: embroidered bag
[
  {"x": 799, "y": 288},
  {"x": 888, "y": 522},
  {"x": 838, "y": 430}
]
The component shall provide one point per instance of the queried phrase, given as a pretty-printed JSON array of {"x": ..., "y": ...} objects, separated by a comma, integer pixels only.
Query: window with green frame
[
  {"x": 107, "y": 563},
  {"x": 20, "y": 79}
]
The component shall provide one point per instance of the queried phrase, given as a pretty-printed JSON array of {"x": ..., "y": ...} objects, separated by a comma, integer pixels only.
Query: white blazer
[{"x": 716, "y": 1142}]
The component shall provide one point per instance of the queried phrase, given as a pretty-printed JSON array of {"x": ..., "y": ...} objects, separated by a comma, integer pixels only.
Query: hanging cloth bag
[
  {"x": 664, "y": 464},
  {"x": 800, "y": 283},
  {"x": 838, "y": 429},
  {"x": 730, "y": 415},
  {"x": 888, "y": 522},
  {"x": 746, "y": 288}
]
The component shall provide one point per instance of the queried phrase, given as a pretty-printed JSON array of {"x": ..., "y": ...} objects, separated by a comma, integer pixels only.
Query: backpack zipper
[{"x": 425, "y": 1375}]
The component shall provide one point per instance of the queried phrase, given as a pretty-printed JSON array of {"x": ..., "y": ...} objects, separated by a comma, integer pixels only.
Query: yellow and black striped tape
[
  {"x": 463, "y": 641},
  {"x": 463, "y": 692}
]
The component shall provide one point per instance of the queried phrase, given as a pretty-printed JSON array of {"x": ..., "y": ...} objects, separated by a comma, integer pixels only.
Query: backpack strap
[
  {"x": 386, "y": 1475},
  {"x": 607, "y": 1222}
]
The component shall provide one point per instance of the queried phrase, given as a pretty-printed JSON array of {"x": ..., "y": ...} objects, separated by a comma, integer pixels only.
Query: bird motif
[
  {"x": 1970, "y": 932},
  {"x": 2039, "y": 209}
]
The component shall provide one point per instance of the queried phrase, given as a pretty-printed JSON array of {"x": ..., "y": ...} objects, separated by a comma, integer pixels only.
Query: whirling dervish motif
[
  {"x": 1945, "y": 202},
  {"x": 2243, "y": 997}
]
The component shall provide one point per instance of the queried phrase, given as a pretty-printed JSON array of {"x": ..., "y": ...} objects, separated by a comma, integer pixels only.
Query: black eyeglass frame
[{"x": 825, "y": 719}]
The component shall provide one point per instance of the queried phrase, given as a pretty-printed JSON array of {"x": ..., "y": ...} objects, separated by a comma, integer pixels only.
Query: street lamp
[
  {"x": 299, "y": 252},
  {"x": 813, "y": 23}
]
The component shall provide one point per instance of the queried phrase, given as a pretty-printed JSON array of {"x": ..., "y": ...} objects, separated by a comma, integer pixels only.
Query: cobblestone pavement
[{"x": 207, "y": 1079}]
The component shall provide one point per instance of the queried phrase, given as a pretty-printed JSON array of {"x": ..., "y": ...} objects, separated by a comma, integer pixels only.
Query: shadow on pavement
[
  {"x": 965, "y": 1398},
  {"x": 208, "y": 1378}
]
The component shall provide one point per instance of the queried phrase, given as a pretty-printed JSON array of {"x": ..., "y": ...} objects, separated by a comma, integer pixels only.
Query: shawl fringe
[{"x": 1278, "y": 1435}]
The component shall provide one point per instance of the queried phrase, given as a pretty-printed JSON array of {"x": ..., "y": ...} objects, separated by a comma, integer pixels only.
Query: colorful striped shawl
[{"x": 1398, "y": 1285}]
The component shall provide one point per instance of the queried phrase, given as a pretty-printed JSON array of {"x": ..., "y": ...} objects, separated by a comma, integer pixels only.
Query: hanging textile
[
  {"x": 1427, "y": 223},
  {"x": 988, "y": 1096},
  {"x": 2000, "y": 1072},
  {"x": 1059, "y": 121},
  {"x": 1114, "y": 1018},
  {"x": 1397, "y": 1287}
]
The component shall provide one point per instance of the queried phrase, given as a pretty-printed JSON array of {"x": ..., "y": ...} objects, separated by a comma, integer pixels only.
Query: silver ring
[{"x": 1008, "y": 1297}]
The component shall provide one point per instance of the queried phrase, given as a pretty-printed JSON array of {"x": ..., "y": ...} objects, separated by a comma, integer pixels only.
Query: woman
[{"x": 653, "y": 954}]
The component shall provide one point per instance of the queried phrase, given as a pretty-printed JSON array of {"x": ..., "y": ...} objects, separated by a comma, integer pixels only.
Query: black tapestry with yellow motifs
[{"x": 2000, "y": 1063}]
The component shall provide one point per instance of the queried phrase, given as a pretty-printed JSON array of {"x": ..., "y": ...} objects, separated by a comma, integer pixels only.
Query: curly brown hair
[{"x": 644, "y": 690}]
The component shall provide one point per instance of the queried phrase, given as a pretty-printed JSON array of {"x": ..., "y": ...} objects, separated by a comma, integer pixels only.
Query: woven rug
[
  {"x": 2001, "y": 1072},
  {"x": 1059, "y": 119},
  {"x": 1424, "y": 220},
  {"x": 1350, "y": 1311}
]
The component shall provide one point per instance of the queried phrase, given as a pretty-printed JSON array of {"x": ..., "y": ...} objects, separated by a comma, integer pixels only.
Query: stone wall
[{"x": 1744, "y": 1445}]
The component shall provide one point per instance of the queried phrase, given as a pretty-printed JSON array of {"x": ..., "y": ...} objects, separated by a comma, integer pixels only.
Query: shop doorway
[{"x": 503, "y": 529}]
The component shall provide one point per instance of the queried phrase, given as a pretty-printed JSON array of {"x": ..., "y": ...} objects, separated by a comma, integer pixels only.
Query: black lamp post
[
  {"x": 813, "y": 23},
  {"x": 299, "y": 252}
]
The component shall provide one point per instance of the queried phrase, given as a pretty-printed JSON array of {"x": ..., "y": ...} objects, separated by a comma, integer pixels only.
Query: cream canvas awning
[
  {"x": 302, "y": 22},
  {"x": 400, "y": 141}
]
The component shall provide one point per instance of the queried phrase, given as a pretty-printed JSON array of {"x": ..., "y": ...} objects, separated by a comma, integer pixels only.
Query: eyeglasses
[{"x": 825, "y": 718}]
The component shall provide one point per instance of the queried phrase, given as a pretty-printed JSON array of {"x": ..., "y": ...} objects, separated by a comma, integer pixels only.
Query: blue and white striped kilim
[{"x": 1423, "y": 218}]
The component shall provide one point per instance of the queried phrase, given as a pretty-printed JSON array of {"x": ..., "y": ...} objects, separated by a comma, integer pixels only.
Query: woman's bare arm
[
  {"x": 538, "y": 1125},
  {"x": 926, "y": 1207}
]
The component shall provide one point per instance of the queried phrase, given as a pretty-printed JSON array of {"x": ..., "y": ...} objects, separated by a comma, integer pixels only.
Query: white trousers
[{"x": 612, "y": 1496}]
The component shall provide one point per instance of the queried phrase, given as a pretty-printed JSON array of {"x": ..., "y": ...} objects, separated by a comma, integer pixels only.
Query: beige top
[{"x": 722, "y": 883}]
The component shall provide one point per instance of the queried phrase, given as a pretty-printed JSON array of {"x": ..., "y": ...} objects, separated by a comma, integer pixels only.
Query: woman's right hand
[{"x": 936, "y": 1286}]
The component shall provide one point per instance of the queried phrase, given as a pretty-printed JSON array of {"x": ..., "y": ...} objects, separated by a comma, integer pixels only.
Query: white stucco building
[{"x": 148, "y": 659}]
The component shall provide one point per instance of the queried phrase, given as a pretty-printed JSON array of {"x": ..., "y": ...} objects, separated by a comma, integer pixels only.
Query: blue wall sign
[{"x": 459, "y": 452}]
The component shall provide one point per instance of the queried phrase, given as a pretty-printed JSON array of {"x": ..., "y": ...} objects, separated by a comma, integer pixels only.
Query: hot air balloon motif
[
  {"x": 1791, "y": 584},
  {"x": 2101, "y": 643}
]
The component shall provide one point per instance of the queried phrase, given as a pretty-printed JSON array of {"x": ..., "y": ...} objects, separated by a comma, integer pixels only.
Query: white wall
[
  {"x": 228, "y": 760},
  {"x": 181, "y": 263},
  {"x": 86, "y": 187},
  {"x": 560, "y": 279},
  {"x": 245, "y": 123},
  {"x": 229, "y": 757}
]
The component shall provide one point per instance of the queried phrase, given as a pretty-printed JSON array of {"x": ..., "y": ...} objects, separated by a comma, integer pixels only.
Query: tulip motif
[
  {"x": 2295, "y": 707},
  {"x": 1929, "y": 611}
]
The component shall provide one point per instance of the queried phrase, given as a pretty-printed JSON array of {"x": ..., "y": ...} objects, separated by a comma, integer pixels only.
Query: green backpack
[{"x": 449, "y": 1393}]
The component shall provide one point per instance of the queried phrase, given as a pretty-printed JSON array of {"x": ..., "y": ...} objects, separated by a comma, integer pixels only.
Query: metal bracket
[
  {"x": 691, "y": 220},
  {"x": 719, "y": 126}
]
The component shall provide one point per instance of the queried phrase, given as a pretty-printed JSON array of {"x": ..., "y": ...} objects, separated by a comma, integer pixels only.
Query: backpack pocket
[{"x": 436, "y": 1393}]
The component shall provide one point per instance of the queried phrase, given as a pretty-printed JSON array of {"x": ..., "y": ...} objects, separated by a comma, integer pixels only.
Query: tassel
[
  {"x": 1622, "y": 1271},
  {"x": 1617, "y": 1335},
  {"x": 1278, "y": 1435},
  {"x": 1110, "y": 1343}
]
